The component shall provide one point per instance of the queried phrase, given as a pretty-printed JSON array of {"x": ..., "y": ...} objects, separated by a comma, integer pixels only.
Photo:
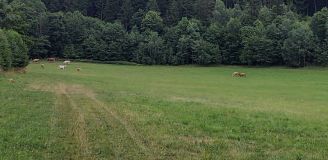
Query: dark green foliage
[
  {"x": 13, "y": 50},
  {"x": 321, "y": 56},
  {"x": 133, "y": 41},
  {"x": 203, "y": 9},
  {"x": 301, "y": 6},
  {"x": 220, "y": 13},
  {"x": 186, "y": 8},
  {"x": 19, "y": 51},
  {"x": 298, "y": 45},
  {"x": 172, "y": 14},
  {"x": 74, "y": 27},
  {"x": 14, "y": 17},
  {"x": 215, "y": 33},
  {"x": 93, "y": 48},
  {"x": 108, "y": 9},
  {"x": 205, "y": 53},
  {"x": 126, "y": 13},
  {"x": 71, "y": 52},
  {"x": 56, "y": 34},
  {"x": 319, "y": 24},
  {"x": 137, "y": 18},
  {"x": 266, "y": 16},
  {"x": 5, "y": 53},
  {"x": 258, "y": 49},
  {"x": 152, "y": 5},
  {"x": 152, "y": 21},
  {"x": 188, "y": 34},
  {"x": 40, "y": 48},
  {"x": 231, "y": 44},
  {"x": 114, "y": 37},
  {"x": 151, "y": 50},
  {"x": 237, "y": 32},
  {"x": 185, "y": 50}
]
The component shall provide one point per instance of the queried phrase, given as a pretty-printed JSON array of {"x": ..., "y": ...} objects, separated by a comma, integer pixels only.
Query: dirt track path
[
  {"x": 133, "y": 134},
  {"x": 81, "y": 116}
]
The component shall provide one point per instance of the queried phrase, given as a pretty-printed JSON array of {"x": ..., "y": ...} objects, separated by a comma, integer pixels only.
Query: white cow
[
  {"x": 62, "y": 67},
  {"x": 36, "y": 60},
  {"x": 67, "y": 62}
]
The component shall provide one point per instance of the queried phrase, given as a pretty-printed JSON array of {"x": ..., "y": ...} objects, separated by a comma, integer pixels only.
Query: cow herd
[
  {"x": 50, "y": 60},
  {"x": 65, "y": 63},
  {"x": 62, "y": 66}
]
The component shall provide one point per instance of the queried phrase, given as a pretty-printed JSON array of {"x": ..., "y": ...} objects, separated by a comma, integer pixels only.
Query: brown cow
[
  {"x": 51, "y": 60},
  {"x": 239, "y": 74},
  {"x": 242, "y": 75},
  {"x": 235, "y": 74}
]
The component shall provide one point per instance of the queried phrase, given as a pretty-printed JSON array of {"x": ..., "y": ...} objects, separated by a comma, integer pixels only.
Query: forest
[{"x": 166, "y": 32}]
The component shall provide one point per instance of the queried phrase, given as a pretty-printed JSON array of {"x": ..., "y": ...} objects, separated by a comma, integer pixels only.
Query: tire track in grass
[
  {"x": 72, "y": 117},
  {"x": 78, "y": 129},
  {"x": 54, "y": 121},
  {"x": 61, "y": 141},
  {"x": 133, "y": 134},
  {"x": 110, "y": 133},
  {"x": 68, "y": 125},
  {"x": 100, "y": 131}
]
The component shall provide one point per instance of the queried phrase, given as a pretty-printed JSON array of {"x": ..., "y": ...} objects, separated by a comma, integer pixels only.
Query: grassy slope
[{"x": 139, "y": 112}]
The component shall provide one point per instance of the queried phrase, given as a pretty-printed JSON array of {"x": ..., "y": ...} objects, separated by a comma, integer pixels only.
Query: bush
[
  {"x": 19, "y": 51},
  {"x": 5, "y": 58},
  {"x": 13, "y": 50}
]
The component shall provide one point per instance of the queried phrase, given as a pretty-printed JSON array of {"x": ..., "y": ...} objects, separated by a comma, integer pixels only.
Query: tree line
[
  {"x": 13, "y": 50},
  {"x": 119, "y": 9},
  {"x": 173, "y": 32}
]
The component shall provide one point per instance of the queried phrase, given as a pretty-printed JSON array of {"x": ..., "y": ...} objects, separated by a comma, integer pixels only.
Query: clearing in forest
[{"x": 160, "y": 112}]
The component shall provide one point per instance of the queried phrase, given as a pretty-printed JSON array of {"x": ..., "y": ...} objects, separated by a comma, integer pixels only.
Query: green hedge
[{"x": 13, "y": 50}]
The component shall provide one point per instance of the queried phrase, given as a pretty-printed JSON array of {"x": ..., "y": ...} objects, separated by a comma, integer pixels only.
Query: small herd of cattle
[
  {"x": 65, "y": 63},
  {"x": 52, "y": 60}
]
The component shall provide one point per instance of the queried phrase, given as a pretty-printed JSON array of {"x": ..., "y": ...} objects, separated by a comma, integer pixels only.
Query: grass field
[{"x": 161, "y": 112}]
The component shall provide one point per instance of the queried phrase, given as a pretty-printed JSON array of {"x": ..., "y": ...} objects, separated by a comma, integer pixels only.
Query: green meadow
[{"x": 163, "y": 112}]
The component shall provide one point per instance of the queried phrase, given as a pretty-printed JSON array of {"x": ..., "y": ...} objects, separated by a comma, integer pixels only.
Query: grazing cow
[
  {"x": 67, "y": 62},
  {"x": 78, "y": 69},
  {"x": 235, "y": 74},
  {"x": 36, "y": 60},
  {"x": 242, "y": 75},
  {"x": 51, "y": 59},
  {"x": 42, "y": 66},
  {"x": 62, "y": 67},
  {"x": 238, "y": 74},
  {"x": 11, "y": 80}
]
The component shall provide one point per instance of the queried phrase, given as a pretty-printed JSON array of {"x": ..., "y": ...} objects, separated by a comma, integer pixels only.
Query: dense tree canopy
[
  {"x": 13, "y": 51},
  {"x": 243, "y": 32}
]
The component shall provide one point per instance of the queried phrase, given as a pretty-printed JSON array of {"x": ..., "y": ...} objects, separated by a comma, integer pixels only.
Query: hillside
[{"x": 177, "y": 32}]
